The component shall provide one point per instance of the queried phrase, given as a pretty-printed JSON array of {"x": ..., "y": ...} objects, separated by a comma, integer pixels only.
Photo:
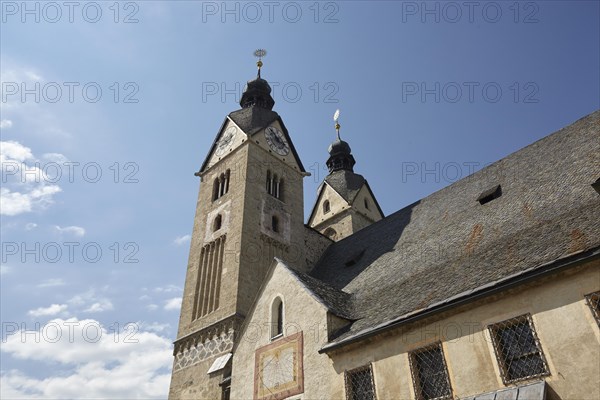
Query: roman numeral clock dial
[
  {"x": 276, "y": 140},
  {"x": 225, "y": 143}
]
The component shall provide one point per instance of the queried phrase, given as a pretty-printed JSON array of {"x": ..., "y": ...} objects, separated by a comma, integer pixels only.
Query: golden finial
[
  {"x": 336, "y": 116},
  {"x": 260, "y": 53}
]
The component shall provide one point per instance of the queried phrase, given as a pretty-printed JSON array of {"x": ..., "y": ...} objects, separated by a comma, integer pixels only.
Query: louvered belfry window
[
  {"x": 360, "y": 384},
  {"x": 518, "y": 349},
  {"x": 429, "y": 373}
]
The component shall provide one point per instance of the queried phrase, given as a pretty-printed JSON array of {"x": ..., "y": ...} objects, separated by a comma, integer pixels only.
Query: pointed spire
[{"x": 257, "y": 91}]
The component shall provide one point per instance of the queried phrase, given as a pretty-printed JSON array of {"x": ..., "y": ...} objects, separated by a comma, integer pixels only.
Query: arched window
[
  {"x": 217, "y": 223},
  {"x": 221, "y": 185},
  {"x": 276, "y": 318},
  {"x": 330, "y": 233},
  {"x": 326, "y": 207},
  {"x": 366, "y": 203},
  {"x": 275, "y": 223},
  {"x": 275, "y": 192}
]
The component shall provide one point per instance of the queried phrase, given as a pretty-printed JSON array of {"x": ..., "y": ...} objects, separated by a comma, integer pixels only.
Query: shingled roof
[
  {"x": 449, "y": 244},
  {"x": 346, "y": 183}
]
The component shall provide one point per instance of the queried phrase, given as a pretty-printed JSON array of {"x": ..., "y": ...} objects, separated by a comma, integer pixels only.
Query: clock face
[
  {"x": 226, "y": 140},
  {"x": 276, "y": 140}
]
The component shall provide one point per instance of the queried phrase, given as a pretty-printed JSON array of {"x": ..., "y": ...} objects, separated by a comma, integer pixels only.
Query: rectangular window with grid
[
  {"x": 429, "y": 373},
  {"x": 518, "y": 349},
  {"x": 593, "y": 300},
  {"x": 360, "y": 384}
]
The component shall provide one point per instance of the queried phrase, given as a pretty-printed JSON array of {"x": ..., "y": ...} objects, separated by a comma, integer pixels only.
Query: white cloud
[
  {"x": 103, "y": 305},
  {"x": 72, "y": 230},
  {"x": 6, "y": 124},
  {"x": 156, "y": 327},
  {"x": 51, "y": 283},
  {"x": 4, "y": 269},
  {"x": 90, "y": 302},
  {"x": 14, "y": 203},
  {"x": 54, "y": 309},
  {"x": 173, "y": 304},
  {"x": 55, "y": 157},
  {"x": 181, "y": 240},
  {"x": 167, "y": 289},
  {"x": 151, "y": 307},
  {"x": 23, "y": 192},
  {"x": 89, "y": 361},
  {"x": 30, "y": 225},
  {"x": 15, "y": 151}
]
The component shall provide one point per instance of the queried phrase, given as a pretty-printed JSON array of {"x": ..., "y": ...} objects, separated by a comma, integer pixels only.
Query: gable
[
  {"x": 229, "y": 138},
  {"x": 251, "y": 122},
  {"x": 336, "y": 202}
]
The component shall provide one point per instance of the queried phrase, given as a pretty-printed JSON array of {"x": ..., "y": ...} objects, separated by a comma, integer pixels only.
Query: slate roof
[
  {"x": 253, "y": 119},
  {"x": 448, "y": 244},
  {"x": 346, "y": 183},
  {"x": 335, "y": 300}
]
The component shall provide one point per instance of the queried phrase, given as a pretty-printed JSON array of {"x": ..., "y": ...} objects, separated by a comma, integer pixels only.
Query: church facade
[{"x": 486, "y": 289}]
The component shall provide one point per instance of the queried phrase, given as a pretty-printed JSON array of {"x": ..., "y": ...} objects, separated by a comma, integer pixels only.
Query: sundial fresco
[{"x": 278, "y": 371}]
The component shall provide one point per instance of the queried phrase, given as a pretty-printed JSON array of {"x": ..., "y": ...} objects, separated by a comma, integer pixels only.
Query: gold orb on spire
[{"x": 260, "y": 53}]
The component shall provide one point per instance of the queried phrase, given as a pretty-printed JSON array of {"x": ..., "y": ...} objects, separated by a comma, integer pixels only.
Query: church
[{"x": 486, "y": 289}]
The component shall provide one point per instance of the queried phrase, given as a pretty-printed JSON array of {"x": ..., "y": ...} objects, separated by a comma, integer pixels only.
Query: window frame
[
  {"x": 590, "y": 298},
  {"x": 348, "y": 384},
  {"x": 504, "y": 364},
  {"x": 415, "y": 367},
  {"x": 277, "y": 317}
]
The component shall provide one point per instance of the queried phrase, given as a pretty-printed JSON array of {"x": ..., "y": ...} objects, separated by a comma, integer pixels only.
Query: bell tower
[
  {"x": 249, "y": 210},
  {"x": 345, "y": 203}
]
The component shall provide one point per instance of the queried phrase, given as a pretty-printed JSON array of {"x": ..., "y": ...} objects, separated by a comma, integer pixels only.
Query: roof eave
[{"x": 514, "y": 280}]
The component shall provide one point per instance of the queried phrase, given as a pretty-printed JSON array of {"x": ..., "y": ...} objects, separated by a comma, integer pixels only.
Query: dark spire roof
[
  {"x": 257, "y": 93},
  {"x": 340, "y": 157}
]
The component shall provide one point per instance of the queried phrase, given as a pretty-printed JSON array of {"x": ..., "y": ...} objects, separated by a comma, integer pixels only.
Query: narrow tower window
[
  {"x": 217, "y": 223},
  {"x": 366, "y": 203},
  {"x": 326, "y": 207},
  {"x": 280, "y": 190},
  {"x": 275, "y": 223},
  {"x": 215, "y": 189},
  {"x": 269, "y": 182},
  {"x": 276, "y": 318}
]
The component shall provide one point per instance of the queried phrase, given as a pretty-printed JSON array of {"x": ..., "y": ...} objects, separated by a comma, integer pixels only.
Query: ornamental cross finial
[
  {"x": 260, "y": 53},
  {"x": 336, "y": 117}
]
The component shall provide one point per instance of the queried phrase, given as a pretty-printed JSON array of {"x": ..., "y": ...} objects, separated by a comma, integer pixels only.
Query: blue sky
[{"x": 428, "y": 92}]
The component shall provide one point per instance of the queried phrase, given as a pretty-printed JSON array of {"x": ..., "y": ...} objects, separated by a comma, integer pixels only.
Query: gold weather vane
[
  {"x": 336, "y": 117},
  {"x": 260, "y": 53}
]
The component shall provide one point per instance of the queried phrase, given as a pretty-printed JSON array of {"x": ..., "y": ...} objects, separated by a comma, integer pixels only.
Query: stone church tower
[{"x": 249, "y": 210}]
